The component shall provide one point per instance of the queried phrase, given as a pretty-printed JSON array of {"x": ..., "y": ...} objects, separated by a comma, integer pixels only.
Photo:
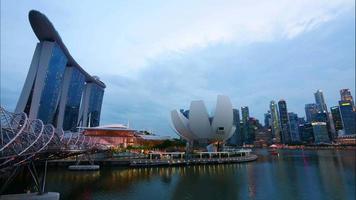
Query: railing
[{"x": 23, "y": 140}]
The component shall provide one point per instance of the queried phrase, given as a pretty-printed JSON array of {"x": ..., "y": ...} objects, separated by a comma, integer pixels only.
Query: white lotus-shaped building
[{"x": 199, "y": 126}]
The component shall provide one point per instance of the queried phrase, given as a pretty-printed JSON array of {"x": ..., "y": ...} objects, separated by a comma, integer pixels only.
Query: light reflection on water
[{"x": 295, "y": 174}]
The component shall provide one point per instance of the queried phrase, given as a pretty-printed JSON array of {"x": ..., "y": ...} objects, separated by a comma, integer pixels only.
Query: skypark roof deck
[{"x": 45, "y": 31}]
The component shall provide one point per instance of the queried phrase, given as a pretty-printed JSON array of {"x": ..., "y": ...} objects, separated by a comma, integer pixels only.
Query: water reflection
[{"x": 292, "y": 175}]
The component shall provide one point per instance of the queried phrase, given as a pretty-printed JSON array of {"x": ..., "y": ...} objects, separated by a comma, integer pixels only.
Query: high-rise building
[
  {"x": 320, "y": 131},
  {"x": 268, "y": 119},
  {"x": 91, "y": 105},
  {"x": 236, "y": 138},
  {"x": 275, "y": 126},
  {"x": 311, "y": 110},
  {"x": 320, "y": 101},
  {"x": 253, "y": 127},
  {"x": 335, "y": 112},
  {"x": 55, "y": 86},
  {"x": 283, "y": 116},
  {"x": 348, "y": 117},
  {"x": 294, "y": 127},
  {"x": 245, "y": 114},
  {"x": 322, "y": 116},
  {"x": 306, "y": 133},
  {"x": 346, "y": 96}
]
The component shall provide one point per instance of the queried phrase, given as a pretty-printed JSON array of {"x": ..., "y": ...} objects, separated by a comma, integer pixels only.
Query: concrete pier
[{"x": 84, "y": 167}]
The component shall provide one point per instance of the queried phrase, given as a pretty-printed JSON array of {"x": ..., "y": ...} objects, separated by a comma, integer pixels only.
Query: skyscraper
[
  {"x": 335, "y": 112},
  {"x": 306, "y": 133},
  {"x": 236, "y": 138},
  {"x": 346, "y": 96},
  {"x": 283, "y": 116},
  {"x": 245, "y": 120},
  {"x": 54, "y": 86},
  {"x": 348, "y": 117},
  {"x": 320, "y": 101},
  {"x": 323, "y": 116},
  {"x": 311, "y": 110},
  {"x": 320, "y": 132},
  {"x": 268, "y": 119},
  {"x": 294, "y": 127},
  {"x": 276, "y": 131}
]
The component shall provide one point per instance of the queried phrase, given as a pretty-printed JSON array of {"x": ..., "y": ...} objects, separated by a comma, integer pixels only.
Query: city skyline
[{"x": 148, "y": 99}]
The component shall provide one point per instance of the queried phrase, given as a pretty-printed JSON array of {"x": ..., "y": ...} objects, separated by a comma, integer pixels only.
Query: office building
[
  {"x": 346, "y": 96},
  {"x": 320, "y": 131},
  {"x": 311, "y": 110},
  {"x": 236, "y": 138},
  {"x": 268, "y": 119},
  {"x": 306, "y": 133},
  {"x": 320, "y": 101},
  {"x": 275, "y": 126},
  {"x": 55, "y": 84},
  {"x": 284, "y": 121},
  {"x": 348, "y": 117},
  {"x": 245, "y": 115},
  {"x": 294, "y": 127},
  {"x": 335, "y": 112}
]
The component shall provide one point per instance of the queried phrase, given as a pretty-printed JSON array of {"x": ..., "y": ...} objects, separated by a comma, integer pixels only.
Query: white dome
[{"x": 200, "y": 126}]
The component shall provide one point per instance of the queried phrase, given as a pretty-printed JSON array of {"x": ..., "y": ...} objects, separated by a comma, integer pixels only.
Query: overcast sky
[{"x": 155, "y": 56}]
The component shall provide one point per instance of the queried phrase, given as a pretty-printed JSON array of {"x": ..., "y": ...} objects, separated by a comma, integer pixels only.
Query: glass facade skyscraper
[
  {"x": 55, "y": 83},
  {"x": 294, "y": 127},
  {"x": 348, "y": 117},
  {"x": 335, "y": 112},
  {"x": 236, "y": 138},
  {"x": 268, "y": 119},
  {"x": 346, "y": 96},
  {"x": 306, "y": 133},
  {"x": 95, "y": 102},
  {"x": 245, "y": 114},
  {"x": 283, "y": 116},
  {"x": 311, "y": 110},
  {"x": 320, "y": 131},
  {"x": 276, "y": 131},
  {"x": 320, "y": 101},
  {"x": 73, "y": 99}
]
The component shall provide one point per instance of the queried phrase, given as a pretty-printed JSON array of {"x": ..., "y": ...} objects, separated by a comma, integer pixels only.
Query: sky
[{"x": 156, "y": 56}]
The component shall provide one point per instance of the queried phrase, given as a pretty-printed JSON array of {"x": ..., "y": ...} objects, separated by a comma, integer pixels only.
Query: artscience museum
[{"x": 196, "y": 125}]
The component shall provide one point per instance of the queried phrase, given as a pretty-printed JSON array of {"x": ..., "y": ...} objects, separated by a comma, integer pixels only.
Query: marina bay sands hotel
[{"x": 57, "y": 89}]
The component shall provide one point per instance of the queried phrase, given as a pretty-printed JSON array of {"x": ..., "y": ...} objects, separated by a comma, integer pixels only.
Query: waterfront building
[
  {"x": 236, "y": 138},
  {"x": 54, "y": 86},
  {"x": 348, "y": 117},
  {"x": 320, "y": 131},
  {"x": 204, "y": 129},
  {"x": 322, "y": 116},
  {"x": 310, "y": 111},
  {"x": 119, "y": 135},
  {"x": 306, "y": 133},
  {"x": 294, "y": 127},
  {"x": 245, "y": 114},
  {"x": 346, "y": 96},
  {"x": 275, "y": 126},
  {"x": 320, "y": 101},
  {"x": 263, "y": 138},
  {"x": 335, "y": 112},
  {"x": 283, "y": 116}
]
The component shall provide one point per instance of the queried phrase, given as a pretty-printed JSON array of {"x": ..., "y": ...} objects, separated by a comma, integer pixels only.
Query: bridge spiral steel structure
[{"x": 24, "y": 140}]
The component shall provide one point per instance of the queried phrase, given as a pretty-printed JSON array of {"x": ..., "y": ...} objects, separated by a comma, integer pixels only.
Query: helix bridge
[{"x": 25, "y": 142}]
